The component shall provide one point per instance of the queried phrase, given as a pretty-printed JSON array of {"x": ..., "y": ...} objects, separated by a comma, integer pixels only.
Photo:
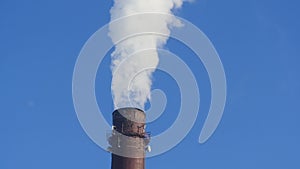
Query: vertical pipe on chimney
[{"x": 128, "y": 139}]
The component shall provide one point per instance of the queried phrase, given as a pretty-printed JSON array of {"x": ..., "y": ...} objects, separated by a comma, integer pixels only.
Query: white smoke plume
[{"x": 126, "y": 61}]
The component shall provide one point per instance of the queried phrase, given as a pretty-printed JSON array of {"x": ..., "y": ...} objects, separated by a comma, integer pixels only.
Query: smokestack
[{"x": 128, "y": 139}]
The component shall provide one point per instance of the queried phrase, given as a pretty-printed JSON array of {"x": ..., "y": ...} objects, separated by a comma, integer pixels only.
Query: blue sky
[{"x": 258, "y": 43}]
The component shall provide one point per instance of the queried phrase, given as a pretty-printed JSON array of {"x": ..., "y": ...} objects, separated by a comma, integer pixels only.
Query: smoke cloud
[{"x": 131, "y": 87}]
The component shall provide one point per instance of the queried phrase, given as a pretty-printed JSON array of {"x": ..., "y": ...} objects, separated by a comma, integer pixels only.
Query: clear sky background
[{"x": 257, "y": 40}]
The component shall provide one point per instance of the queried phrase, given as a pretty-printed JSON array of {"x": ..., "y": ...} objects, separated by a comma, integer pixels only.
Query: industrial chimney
[{"x": 128, "y": 139}]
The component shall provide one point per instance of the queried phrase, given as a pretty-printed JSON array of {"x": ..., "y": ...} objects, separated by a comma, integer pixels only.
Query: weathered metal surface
[
  {"x": 119, "y": 162},
  {"x": 128, "y": 139}
]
